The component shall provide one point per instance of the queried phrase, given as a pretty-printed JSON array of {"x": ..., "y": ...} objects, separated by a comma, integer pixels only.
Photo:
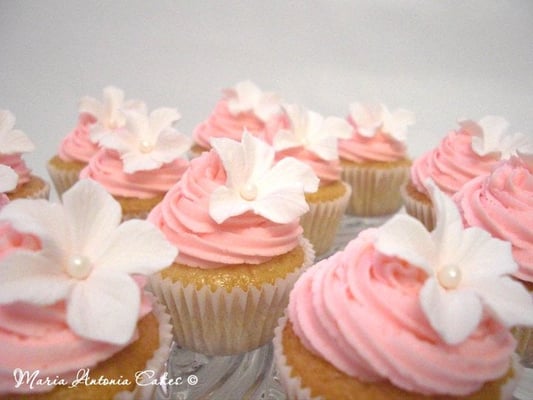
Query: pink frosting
[
  {"x": 16, "y": 163},
  {"x": 360, "y": 311},
  {"x": 105, "y": 167},
  {"x": 380, "y": 147},
  {"x": 502, "y": 204},
  {"x": 183, "y": 216},
  {"x": 38, "y": 338},
  {"x": 451, "y": 164},
  {"x": 221, "y": 123},
  {"x": 77, "y": 145},
  {"x": 327, "y": 171},
  {"x": 11, "y": 240}
]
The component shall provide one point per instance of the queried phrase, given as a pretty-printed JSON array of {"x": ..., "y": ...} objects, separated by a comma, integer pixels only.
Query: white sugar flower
[
  {"x": 12, "y": 141},
  {"x": 490, "y": 136},
  {"x": 87, "y": 259},
  {"x": 246, "y": 96},
  {"x": 109, "y": 113},
  {"x": 255, "y": 183},
  {"x": 373, "y": 118},
  {"x": 313, "y": 132},
  {"x": 467, "y": 271},
  {"x": 148, "y": 141},
  {"x": 8, "y": 179}
]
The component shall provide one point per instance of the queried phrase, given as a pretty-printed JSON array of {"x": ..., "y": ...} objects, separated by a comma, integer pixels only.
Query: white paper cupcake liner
[
  {"x": 135, "y": 215},
  {"x": 158, "y": 361},
  {"x": 43, "y": 193},
  {"x": 375, "y": 191},
  {"x": 62, "y": 179},
  {"x": 222, "y": 323},
  {"x": 291, "y": 384},
  {"x": 420, "y": 210},
  {"x": 321, "y": 222},
  {"x": 524, "y": 339}
]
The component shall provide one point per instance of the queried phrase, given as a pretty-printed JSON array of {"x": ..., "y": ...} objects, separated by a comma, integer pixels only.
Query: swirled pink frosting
[
  {"x": 105, "y": 167},
  {"x": 451, "y": 164},
  {"x": 15, "y": 162},
  {"x": 502, "y": 204},
  {"x": 183, "y": 216},
  {"x": 381, "y": 147},
  {"x": 11, "y": 240},
  {"x": 222, "y": 123},
  {"x": 359, "y": 310},
  {"x": 36, "y": 338},
  {"x": 328, "y": 171},
  {"x": 77, "y": 145}
]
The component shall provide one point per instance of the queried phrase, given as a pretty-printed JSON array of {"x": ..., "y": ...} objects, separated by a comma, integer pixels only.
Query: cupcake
[
  {"x": 75, "y": 321},
  {"x": 234, "y": 216},
  {"x": 244, "y": 106},
  {"x": 95, "y": 120},
  {"x": 312, "y": 139},
  {"x": 472, "y": 150},
  {"x": 501, "y": 203},
  {"x": 446, "y": 335},
  {"x": 14, "y": 143},
  {"x": 374, "y": 159},
  {"x": 139, "y": 163}
]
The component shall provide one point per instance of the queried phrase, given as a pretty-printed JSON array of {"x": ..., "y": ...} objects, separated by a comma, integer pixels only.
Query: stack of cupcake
[
  {"x": 72, "y": 301},
  {"x": 445, "y": 337},
  {"x": 14, "y": 143}
]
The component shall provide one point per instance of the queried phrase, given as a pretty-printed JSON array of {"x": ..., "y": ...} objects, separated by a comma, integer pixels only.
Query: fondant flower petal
[
  {"x": 163, "y": 118},
  {"x": 509, "y": 300},
  {"x": 134, "y": 162},
  {"x": 8, "y": 179},
  {"x": 233, "y": 161},
  {"x": 285, "y": 139},
  {"x": 225, "y": 203},
  {"x": 326, "y": 148},
  {"x": 395, "y": 124},
  {"x": 407, "y": 238},
  {"x": 288, "y": 171},
  {"x": 147, "y": 249},
  {"x": 90, "y": 105},
  {"x": 337, "y": 127},
  {"x": 258, "y": 157},
  {"x": 32, "y": 277},
  {"x": 453, "y": 314},
  {"x": 104, "y": 307},
  {"x": 94, "y": 216},
  {"x": 7, "y": 121},
  {"x": 282, "y": 206},
  {"x": 367, "y": 118},
  {"x": 12, "y": 141}
]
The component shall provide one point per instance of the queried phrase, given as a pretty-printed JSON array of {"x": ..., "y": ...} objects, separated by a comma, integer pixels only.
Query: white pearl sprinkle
[
  {"x": 449, "y": 276},
  {"x": 145, "y": 146},
  {"x": 249, "y": 192},
  {"x": 79, "y": 267}
]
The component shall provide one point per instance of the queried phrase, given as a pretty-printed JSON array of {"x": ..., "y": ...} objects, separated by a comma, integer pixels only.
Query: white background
[{"x": 441, "y": 59}]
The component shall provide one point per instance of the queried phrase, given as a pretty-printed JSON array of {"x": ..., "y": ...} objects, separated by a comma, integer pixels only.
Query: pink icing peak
[
  {"x": 451, "y": 164},
  {"x": 359, "y": 310},
  {"x": 15, "y": 162},
  {"x": 183, "y": 216},
  {"x": 380, "y": 147},
  {"x": 106, "y": 168},
  {"x": 502, "y": 203},
  {"x": 77, "y": 145},
  {"x": 222, "y": 123}
]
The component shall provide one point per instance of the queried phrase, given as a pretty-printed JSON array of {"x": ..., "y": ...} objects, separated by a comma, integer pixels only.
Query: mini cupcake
[
  {"x": 95, "y": 120},
  {"x": 502, "y": 204},
  {"x": 139, "y": 163},
  {"x": 243, "y": 107},
  {"x": 472, "y": 150},
  {"x": 234, "y": 216},
  {"x": 13, "y": 143},
  {"x": 445, "y": 337},
  {"x": 312, "y": 139},
  {"x": 74, "y": 307},
  {"x": 374, "y": 159}
]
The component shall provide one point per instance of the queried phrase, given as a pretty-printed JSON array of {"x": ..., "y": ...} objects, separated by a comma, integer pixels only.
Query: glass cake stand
[{"x": 252, "y": 375}]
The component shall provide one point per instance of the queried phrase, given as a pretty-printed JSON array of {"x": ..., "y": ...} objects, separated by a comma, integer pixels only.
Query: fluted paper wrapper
[
  {"x": 62, "y": 179},
  {"x": 221, "y": 323},
  {"x": 375, "y": 191},
  {"x": 321, "y": 222},
  {"x": 134, "y": 215},
  {"x": 43, "y": 193},
  {"x": 291, "y": 384},
  {"x": 418, "y": 209},
  {"x": 158, "y": 361}
]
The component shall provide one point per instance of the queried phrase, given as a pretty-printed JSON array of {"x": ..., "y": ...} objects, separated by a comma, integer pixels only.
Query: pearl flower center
[
  {"x": 249, "y": 192},
  {"x": 79, "y": 267},
  {"x": 449, "y": 276},
  {"x": 146, "y": 146}
]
